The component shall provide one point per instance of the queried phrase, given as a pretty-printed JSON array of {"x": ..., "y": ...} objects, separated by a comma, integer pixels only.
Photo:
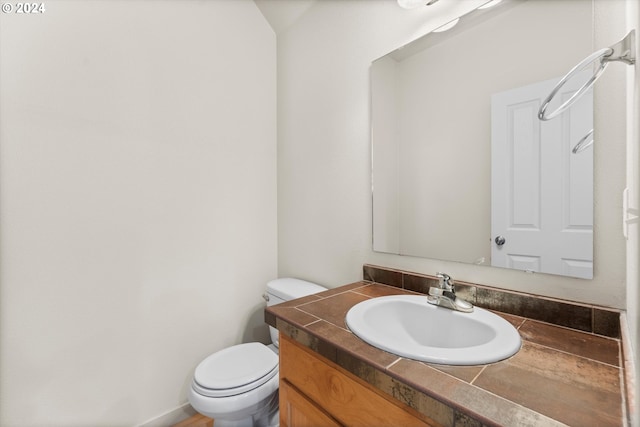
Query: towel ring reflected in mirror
[{"x": 623, "y": 51}]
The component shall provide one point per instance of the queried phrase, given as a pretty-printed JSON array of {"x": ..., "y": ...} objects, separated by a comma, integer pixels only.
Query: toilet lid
[{"x": 235, "y": 370}]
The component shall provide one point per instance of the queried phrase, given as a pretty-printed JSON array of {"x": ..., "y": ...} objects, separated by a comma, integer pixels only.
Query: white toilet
[{"x": 238, "y": 386}]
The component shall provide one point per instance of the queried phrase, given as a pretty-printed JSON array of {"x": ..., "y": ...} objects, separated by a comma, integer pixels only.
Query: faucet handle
[{"x": 445, "y": 281}]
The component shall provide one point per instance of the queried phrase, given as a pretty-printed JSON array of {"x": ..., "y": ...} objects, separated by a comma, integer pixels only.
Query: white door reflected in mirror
[{"x": 541, "y": 192}]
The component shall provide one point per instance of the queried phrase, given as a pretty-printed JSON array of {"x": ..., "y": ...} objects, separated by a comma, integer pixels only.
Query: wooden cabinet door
[
  {"x": 336, "y": 393},
  {"x": 296, "y": 410}
]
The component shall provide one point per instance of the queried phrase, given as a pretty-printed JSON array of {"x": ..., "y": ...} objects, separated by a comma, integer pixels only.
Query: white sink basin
[{"x": 407, "y": 325}]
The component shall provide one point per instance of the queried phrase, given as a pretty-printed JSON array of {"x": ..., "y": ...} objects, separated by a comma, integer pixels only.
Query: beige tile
[
  {"x": 606, "y": 322},
  {"x": 475, "y": 403},
  {"x": 293, "y": 315},
  {"x": 516, "y": 321},
  {"x": 464, "y": 373},
  {"x": 579, "y": 343},
  {"x": 346, "y": 342},
  {"x": 387, "y": 276},
  {"x": 376, "y": 290},
  {"x": 334, "y": 308},
  {"x": 571, "y": 389}
]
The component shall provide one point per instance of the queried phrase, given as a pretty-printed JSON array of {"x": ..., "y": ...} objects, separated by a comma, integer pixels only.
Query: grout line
[
  {"x": 311, "y": 323},
  {"x": 479, "y": 373},
  {"x": 360, "y": 293},
  {"x": 393, "y": 363},
  {"x": 524, "y": 320},
  {"x": 318, "y": 319}
]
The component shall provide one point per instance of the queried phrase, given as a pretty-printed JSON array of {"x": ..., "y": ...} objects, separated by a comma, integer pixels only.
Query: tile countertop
[{"x": 560, "y": 376}]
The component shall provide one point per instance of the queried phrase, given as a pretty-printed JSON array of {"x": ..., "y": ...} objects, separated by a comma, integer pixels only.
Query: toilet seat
[{"x": 235, "y": 370}]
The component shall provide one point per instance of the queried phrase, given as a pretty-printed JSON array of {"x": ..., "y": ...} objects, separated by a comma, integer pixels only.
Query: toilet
[{"x": 238, "y": 386}]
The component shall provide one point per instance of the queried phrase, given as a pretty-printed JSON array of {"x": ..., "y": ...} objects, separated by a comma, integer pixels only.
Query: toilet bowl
[{"x": 238, "y": 386}]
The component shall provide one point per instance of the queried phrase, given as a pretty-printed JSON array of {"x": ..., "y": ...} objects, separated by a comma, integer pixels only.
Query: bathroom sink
[{"x": 408, "y": 326}]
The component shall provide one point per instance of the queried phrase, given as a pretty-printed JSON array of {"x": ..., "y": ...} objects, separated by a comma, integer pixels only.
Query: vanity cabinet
[{"x": 316, "y": 392}]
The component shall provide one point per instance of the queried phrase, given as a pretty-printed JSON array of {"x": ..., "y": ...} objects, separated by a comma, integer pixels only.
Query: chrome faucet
[{"x": 445, "y": 295}]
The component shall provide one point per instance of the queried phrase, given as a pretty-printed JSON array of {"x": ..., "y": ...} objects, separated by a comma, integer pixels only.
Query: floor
[{"x": 197, "y": 420}]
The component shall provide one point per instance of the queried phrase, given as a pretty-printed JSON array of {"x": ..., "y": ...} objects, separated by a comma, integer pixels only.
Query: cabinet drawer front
[
  {"x": 296, "y": 410},
  {"x": 348, "y": 399}
]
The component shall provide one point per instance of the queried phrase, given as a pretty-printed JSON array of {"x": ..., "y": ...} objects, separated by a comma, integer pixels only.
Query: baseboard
[{"x": 172, "y": 417}]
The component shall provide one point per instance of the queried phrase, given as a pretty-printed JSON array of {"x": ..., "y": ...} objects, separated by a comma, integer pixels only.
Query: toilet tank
[{"x": 286, "y": 289}]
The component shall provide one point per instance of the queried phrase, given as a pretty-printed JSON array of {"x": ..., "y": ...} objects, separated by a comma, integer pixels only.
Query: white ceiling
[{"x": 281, "y": 14}]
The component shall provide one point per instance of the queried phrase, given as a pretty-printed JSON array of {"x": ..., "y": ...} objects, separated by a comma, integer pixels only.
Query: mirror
[{"x": 462, "y": 168}]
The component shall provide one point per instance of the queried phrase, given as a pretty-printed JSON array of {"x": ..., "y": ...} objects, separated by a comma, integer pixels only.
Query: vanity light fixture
[
  {"x": 449, "y": 25},
  {"x": 412, "y": 4}
]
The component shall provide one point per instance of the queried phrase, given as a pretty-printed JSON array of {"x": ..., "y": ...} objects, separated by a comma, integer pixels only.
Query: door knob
[{"x": 500, "y": 240}]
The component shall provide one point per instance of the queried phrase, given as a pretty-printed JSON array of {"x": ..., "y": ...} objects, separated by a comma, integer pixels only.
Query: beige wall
[
  {"x": 137, "y": 202},
  {"x": 324, "y": 188}
]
